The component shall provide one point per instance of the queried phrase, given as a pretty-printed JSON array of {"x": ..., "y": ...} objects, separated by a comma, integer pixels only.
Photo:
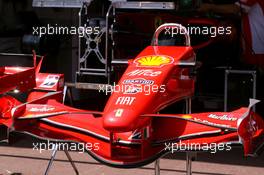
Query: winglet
[
  {"x": 251, "y": 131},
  {"x": 252, "y": 103}
]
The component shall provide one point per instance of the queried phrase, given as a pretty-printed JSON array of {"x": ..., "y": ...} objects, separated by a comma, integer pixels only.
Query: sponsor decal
[
  {"x": 133, "y": 86},
  {"x": 119, "y": 112},
  {"x": 144, "y": 72},
  {"x": 153, "y": 61},
  {"x": 125, "y": 100},
  {"x": 138, "y": 81},
  {"x": 210, "y": 123},
  {"x": 41, "y": 109},
  {"x": 222, "y": 117},
  {"x": 50, "y": 81},
  {"x": 132, "y": 90}
]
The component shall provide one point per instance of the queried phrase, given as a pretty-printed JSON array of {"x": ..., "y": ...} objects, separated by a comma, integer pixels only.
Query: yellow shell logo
[{"x": 153, "y": 61}]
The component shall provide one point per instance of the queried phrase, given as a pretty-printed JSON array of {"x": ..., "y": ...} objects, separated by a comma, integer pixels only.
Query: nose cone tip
[{"x": 118, "y": 123}]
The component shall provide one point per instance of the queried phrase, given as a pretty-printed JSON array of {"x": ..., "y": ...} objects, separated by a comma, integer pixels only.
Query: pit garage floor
[{"x": 26, "y": 161}]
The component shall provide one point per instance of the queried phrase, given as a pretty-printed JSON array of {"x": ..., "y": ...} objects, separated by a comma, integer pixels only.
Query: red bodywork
[
  {"x": 19, "y": 78},
  {"x": 172, "y": 83},
  {"x": 130, "y": 132}
]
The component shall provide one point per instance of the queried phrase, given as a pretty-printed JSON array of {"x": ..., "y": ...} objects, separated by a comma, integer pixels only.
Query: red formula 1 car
[{"x": 130, "y": 132}]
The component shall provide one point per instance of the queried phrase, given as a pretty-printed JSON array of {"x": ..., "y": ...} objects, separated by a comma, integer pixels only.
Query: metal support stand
[
  {"x": 91, "y": 43},
  {"x": 190, "y": 156},
  {"x": 188, "y": 105},
  {"x": 65, "y": 89},
  {"x": 108, "y": 59},
  {"x": 157, "y": 167},
  {"x": 67, "y": 93},
  {"x": 54, "y": 152},
  {"x": 71, "y": 161}
]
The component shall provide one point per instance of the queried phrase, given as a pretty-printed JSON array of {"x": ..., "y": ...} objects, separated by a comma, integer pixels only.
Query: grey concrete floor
[{"x": 25, "y": 160}]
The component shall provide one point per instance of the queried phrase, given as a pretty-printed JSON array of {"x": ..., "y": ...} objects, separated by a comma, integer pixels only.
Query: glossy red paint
[
  {"x": 143, "y": 145},
  {"x": 135, "y": 135},
  {"x": 164, "y": 84},
  {"x": 129, "y": 132},
  {"x": 19, "y": 78}
]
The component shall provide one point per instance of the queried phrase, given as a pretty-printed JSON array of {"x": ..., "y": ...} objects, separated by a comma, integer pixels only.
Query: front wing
[{"x": 144, "y": 145}]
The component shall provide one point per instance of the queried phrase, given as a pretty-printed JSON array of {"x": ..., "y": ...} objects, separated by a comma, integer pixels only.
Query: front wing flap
[{"x": 239, "y": 126}]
